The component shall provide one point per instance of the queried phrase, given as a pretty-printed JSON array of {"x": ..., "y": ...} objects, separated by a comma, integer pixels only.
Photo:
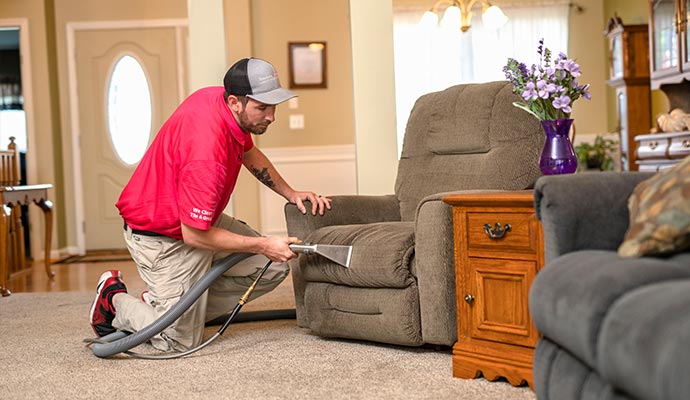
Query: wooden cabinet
[
  {"x": 669, "y": 39},
  {"x": 498, "y": 252},
  {"x": 629, "y": 76},
  {"x": 670, "y": 62}
]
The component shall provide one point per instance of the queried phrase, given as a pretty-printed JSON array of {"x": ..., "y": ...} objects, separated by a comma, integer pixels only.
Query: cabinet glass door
[
  {"x": 617, "y": 57},
  {"x": 665, "y": 43},
  {"x": 623, "y": 126}
]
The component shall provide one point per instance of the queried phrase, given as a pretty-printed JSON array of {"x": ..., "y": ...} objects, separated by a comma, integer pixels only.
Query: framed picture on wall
[{"x": 307, "y": 61}]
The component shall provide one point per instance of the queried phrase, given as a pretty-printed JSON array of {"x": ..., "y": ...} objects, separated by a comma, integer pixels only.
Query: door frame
[
  {"x": 27, "y": 92},
  {"x": 72, "y": 28}
]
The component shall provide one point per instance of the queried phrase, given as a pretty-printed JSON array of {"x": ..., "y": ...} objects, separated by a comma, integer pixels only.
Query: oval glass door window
[{"x": 129, "y": 110}]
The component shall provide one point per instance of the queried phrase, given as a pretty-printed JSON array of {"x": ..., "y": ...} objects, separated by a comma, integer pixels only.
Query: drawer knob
[
  {"x": 496, "y": 232},
  {"x": 652, "y": 145},
  {"x": 686, "y": 143},
  {"x": 469, "y": 298}
]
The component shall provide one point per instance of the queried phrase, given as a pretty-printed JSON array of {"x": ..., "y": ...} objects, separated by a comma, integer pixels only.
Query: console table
[
  {"x": 11, "y": 198},
  {"x": 498, "y": 252}
]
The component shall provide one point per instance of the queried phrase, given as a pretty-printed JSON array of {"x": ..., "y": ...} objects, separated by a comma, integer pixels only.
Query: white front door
[{"x": 105, "y": 169}]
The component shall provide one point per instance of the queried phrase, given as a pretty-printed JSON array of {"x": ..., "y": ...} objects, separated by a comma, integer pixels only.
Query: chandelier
[{"x": 458, "y": 13}]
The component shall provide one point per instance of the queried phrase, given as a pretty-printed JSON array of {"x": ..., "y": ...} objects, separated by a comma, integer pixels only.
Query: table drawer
[
  {"x": 489, "y": 231},
  {"x": 652, "y": 148},
  {"x": 679, "y": 147}
]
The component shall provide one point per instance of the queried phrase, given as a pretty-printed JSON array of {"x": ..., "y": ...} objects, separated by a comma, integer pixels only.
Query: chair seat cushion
[{"x": 382, "y": 255}]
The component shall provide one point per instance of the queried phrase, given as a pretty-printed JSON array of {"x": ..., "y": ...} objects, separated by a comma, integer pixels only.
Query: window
[
  {"x": 13, "y": 123},
  {"x": 129, "y": 110},
  {"x": 432, "y": 60}
]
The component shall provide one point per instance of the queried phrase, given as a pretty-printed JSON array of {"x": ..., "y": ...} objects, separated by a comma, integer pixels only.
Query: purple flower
[
  {"x": 569, "y": 66},
  {"x": 585, "y": 91},
  {"x": 545, "y": 89},
  {"x": 529, "y": 93},
  {"x": 562, "y": 103}
]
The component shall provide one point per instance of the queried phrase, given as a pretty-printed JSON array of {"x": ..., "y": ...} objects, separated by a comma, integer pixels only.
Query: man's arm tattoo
[{"x": 263, "y": 176}]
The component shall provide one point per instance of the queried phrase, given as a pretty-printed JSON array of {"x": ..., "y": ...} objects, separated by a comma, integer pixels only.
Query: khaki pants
[{"x": 169, "y": 268}]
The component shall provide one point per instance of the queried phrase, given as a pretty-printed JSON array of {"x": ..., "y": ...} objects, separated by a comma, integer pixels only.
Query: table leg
[
  {"x": 17, "y": 239},
  {"x": 47, "y": 207},
  {"x": 4, "y": 254}
]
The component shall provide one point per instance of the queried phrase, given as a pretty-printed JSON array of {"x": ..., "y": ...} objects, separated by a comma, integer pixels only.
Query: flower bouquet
[{"x": 549, "y": 89}]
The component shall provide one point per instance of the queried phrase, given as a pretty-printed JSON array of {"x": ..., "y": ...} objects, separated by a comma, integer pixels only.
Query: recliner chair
[{"x": 400, "y": 287}]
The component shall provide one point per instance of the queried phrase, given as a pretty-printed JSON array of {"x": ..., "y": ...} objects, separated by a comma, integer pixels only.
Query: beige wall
[
  {"x": 328, "y": 113},
  {"x": 374, "y": 96},
  {"x": 586, "y": 45}
]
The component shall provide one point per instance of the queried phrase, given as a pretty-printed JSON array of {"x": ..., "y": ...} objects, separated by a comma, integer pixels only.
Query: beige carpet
[{"x": 42, "y": 357}]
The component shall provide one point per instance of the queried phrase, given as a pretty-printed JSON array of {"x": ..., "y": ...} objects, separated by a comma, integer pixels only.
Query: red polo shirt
[{"x": 189, "y": 172}]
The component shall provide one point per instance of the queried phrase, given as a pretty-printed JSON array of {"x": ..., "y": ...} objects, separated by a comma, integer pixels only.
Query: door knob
[{"x": 469, "y": 298}]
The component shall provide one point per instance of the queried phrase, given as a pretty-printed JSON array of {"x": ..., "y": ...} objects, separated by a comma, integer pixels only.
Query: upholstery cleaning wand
[{"x": 121, "y": 342}]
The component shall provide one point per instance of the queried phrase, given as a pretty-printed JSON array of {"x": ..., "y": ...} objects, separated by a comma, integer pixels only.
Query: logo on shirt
[{"x": 203, "y": 215}]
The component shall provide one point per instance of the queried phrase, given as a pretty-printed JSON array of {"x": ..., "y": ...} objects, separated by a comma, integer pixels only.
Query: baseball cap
[{"x": 256, "y": 79}]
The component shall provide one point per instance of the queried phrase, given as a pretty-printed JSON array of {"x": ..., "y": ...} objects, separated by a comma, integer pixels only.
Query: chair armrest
[
  {"x": 345, "y": 210},
  {"x": 434, "y": 268},
  {"x": 585, "y": 210}
]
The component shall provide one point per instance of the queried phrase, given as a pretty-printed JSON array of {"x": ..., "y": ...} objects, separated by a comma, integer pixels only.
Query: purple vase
[{"x": 558, "y": 156}]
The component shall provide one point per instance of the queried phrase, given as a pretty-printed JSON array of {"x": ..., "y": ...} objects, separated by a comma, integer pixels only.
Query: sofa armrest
[
  {"x": 345, "y": 210},
  {"x": 585, "y": 210}
]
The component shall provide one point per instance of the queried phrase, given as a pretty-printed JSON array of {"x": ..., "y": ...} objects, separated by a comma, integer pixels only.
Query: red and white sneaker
[{"x": 102, "y": 310}]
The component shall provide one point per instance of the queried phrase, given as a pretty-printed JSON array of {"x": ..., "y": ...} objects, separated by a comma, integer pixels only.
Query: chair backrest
[
  {"x": 10, "y": 174},
  {"x": 467, "y": 137}
]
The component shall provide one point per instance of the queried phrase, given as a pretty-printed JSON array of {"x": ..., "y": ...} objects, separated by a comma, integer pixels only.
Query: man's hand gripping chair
[{"x": 400, "y": 287}]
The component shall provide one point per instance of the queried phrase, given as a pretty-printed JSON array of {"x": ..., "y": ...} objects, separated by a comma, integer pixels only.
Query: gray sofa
[
  {"x": 612, "y": 328},
  {"x": 400, "y": 287}
]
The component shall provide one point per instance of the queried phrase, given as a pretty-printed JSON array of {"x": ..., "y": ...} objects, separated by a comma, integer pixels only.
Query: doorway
[
  {"x": 12, "y": 113},
  {"x": 131, "y": 68}
]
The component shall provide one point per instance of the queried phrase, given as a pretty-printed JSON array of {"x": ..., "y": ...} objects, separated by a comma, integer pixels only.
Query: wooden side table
[{"x": 498, "y": 252}]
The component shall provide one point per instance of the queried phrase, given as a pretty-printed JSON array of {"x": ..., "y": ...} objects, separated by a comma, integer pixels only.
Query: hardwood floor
[{"x": 74, "y": 277}]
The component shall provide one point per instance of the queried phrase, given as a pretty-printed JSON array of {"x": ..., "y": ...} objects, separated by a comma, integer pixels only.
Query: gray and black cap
[{"x": 256, "y": 79}]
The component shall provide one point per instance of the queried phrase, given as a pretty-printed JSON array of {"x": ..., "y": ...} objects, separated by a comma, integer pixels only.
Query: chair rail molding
[{"x": 326, "y": 170}]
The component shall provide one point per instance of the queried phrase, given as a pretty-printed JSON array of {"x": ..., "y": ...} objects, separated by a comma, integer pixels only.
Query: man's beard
[{"x": 256, "y": 129}]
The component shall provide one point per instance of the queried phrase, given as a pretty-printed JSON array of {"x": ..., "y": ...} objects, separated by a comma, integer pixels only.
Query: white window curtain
[{"x": 432, "y": 60}]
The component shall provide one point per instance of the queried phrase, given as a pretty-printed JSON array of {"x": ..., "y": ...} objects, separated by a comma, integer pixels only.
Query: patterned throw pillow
[{"x": 659, "y": 214}]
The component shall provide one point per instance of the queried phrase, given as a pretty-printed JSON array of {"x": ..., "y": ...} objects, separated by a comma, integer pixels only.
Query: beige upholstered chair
[{"x": 400, "y": 287}]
